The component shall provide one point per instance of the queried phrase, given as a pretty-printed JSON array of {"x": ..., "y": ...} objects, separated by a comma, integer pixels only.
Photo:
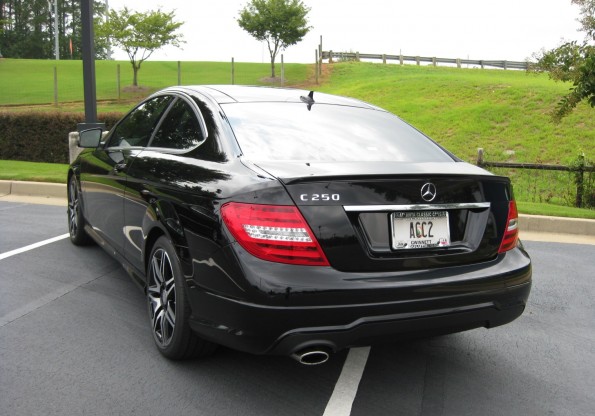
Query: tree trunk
[
  {"x": 135, "y": 77},
  {"x": 272, "y": 67}
]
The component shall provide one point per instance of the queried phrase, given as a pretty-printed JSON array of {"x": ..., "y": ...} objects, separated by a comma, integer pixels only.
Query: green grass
[
  {"x": 534, "y": 208},
  {"x": 465, "y": 109},
  {"x": 33, "y": 171},
  {"x": 504, "y": 112},
  {"x": 31, "y": 81}
]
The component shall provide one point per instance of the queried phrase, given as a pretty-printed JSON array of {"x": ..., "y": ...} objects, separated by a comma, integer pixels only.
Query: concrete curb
[
  {"x": 556, "y": 225},
  {"x": 34, "y": 192},
  {"x": 39, "y": 189},
  {"x": 55, "y": 194},
  {"x": 5, "y": 188}
]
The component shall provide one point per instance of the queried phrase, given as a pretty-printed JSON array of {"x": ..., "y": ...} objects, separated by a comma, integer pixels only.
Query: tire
[
  {"x": 169, "y": 310},
  {"x": 76, "y": 222}
]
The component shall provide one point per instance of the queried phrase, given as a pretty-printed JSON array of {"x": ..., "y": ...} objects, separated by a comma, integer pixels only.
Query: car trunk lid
[{"x": 380, "y": 219}]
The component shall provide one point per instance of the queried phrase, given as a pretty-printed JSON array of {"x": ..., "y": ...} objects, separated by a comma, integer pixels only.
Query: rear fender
[{"x": 160, "y": 219}]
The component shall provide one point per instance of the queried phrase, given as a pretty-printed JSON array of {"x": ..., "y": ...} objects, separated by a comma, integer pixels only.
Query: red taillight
[
  {"x": 511, "y": 233},
  {"x": 276, "y": 233}
]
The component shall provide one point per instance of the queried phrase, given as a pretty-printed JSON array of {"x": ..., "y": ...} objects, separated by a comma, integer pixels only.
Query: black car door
[
  {"x": 158, "y": 171},
  {"x": 104, "y": 171}
]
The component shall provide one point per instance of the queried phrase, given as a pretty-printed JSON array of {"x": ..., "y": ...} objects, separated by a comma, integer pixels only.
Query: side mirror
[{"x": 89, "y": 138}]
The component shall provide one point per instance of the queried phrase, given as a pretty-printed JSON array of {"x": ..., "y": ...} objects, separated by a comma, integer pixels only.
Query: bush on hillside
[{"x": 41, "y": 137}]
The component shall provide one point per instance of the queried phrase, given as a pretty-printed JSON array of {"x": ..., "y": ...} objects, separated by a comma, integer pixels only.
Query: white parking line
[
  {"x": 32, "y": 246},
  {"x": 343, "y": 396}
]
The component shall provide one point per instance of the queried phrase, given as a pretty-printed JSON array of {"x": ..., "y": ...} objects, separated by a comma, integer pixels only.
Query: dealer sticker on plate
[{"x": 420, "y": 229}]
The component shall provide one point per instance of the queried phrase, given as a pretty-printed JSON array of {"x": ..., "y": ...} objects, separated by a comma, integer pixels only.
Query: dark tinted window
[
  {"x": 288, "y": 131},
  {"x": 180, "y": 128},
  {"x": 211, "y": 149},
  {"x": 137, "y": 127}
]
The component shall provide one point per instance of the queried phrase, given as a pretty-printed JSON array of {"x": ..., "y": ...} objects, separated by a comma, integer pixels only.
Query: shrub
[{"x": 41, "y": 137}]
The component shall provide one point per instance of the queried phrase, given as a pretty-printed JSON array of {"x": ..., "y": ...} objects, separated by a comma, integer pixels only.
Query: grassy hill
[{"x": 504, "y": 112}]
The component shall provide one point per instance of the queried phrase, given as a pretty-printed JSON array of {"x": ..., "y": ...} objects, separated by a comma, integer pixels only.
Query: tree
[
  {"x": 140, "y": 34},
  {"x": 280, "y": 23},
  {"x": 573, "y": 62},
  {"x": 27, "y": 28}
]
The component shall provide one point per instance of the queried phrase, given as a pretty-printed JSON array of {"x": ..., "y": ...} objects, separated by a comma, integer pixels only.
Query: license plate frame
[{"x": 414, "y": 230}]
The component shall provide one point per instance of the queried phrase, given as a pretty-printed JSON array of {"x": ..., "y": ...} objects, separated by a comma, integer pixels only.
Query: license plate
[{"x": 420, "y": 229}]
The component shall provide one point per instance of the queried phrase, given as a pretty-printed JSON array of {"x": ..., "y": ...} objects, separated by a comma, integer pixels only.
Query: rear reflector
[
  {"x": 511, "y": 233},
  {"x": 276, "y": 233}
]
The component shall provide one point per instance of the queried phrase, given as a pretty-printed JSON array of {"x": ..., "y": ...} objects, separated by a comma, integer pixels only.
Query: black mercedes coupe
[{"x": 282, "y": 221}]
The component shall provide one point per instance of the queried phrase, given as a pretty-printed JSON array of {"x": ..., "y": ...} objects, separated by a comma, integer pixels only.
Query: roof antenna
[{"x": 308, "y": 100}]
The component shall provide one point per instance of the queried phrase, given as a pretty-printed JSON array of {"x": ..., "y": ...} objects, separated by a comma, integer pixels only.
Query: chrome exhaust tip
[{"x": 311, "y": 356}]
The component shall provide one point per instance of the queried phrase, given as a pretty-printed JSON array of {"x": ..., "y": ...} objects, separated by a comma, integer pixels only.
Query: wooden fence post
[
  {"x": 434, "y": 61},
  {"x": 357, "y": 56},
  {"x": 401, "y": 59},
  {"x": 579, "y": 179},
  {"x": 417, "y": 60},
  {"x": 330, "y": 57},
  {"x": 458, "y": 62},
  {"x": 233, "y": 72},
  {"x": 320, "y": 57},
  {"x": 179, "y": 73},
  {"x": 384, "y": 58},
  {"x": 317, "y": 63}
]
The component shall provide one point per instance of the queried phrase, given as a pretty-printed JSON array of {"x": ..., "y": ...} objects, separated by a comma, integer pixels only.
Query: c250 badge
[{"x": 320, "y": 197}]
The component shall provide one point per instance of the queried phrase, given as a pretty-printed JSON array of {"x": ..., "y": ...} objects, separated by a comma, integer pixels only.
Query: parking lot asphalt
[{"x": 75, "y": 339}]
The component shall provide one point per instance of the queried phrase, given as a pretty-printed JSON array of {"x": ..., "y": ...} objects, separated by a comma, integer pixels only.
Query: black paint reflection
[{"x": 175, "y": 171}]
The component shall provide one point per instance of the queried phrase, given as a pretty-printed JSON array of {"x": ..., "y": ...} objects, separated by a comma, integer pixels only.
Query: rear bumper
[
  {"x": 325, "y": 319},
  {"x": 390, "y": 328}
]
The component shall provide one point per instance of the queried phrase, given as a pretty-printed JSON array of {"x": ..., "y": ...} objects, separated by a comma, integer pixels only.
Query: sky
[{"x": 475, "y": 29}]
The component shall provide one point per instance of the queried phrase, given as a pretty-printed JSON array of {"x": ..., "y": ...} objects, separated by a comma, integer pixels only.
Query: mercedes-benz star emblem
[{"x": 428, "y": 192}]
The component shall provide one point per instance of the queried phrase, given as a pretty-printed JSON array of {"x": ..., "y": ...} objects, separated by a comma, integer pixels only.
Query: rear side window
[
  {"x": 334, "y": 133},
  {"x": 180, "y": 128},
  {"x": 136, "y": 129}
]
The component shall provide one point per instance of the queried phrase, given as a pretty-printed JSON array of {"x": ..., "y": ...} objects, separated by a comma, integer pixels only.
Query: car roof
[{"x": 226, "y": 94}]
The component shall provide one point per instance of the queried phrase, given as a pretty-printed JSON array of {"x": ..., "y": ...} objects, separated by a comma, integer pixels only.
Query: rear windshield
[{"x": 288, "y": 131}]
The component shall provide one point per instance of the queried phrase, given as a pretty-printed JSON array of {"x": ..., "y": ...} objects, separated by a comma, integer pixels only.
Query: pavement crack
[
  {"x": 433, "y": 389},
  {"x": 46, "y": 299}
]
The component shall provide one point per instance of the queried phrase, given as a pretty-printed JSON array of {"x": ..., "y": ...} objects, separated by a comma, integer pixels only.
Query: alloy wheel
[
  {"x": 73, "y": 207},
  {"x": 161, "y": 293}
]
